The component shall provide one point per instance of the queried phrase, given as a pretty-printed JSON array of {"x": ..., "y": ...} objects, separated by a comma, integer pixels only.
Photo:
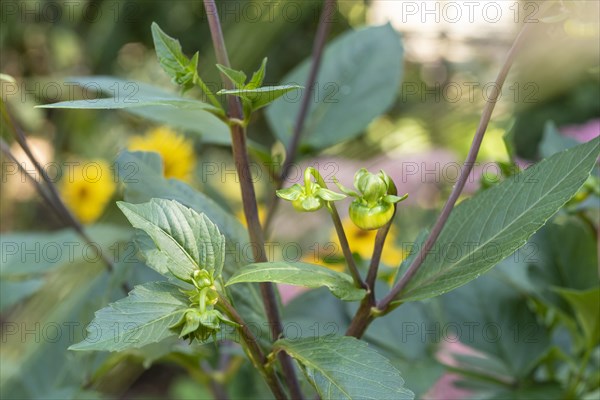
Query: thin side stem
[
  {"x": 242, "y": 163},
  {"x": 468, "y": 166},
  {"x": 317, "y": 53},
  {"x": 339, "y": 229},
  {"x": 48, "y": 191},
  {"x": 38, "y": 186},
  {"x": 377, "y": 250},
  {"x": 364, "y": 315},
  {"x": 253, "y": 350}
]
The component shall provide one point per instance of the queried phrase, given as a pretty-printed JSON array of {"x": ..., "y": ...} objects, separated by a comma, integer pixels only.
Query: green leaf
[
  {"x": 152, "y": 103},
  {"x": 346, "y": 368},
  {"x": 258, "y": 77},
  {"x": 237, "y": 77},
  {"x": 262, "y": 96},
  {"x": 487, "y": 228},
  {"x": 13, "y": 292},
  {"x": 413, "y": 251},
  {"x": 188, "y": 240},
  {"x": 563, "y": 254},
  {"x": 553, "y": 141},
  {"x": 402, "y": 334},
  {"x": 143, "y": 317},
  {"x": 61, "y": 308},
  {"x": 181, "y": 69},
  {"x": 491, "y": 316},
  {"x": 300, "y": 274},
  {"x": 27, "y": 254},
  {"x": 586, "y": 306},
  {"x": 316, "y": 313},
  {"x": 118, "y": 103},
  {"x": 358, "y": 80}
]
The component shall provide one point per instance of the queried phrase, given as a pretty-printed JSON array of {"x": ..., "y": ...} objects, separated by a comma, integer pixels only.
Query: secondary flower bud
[{"x": 310, "y": 197}]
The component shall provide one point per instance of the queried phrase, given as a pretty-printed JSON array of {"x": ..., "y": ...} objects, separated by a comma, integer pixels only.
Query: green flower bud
[
  {"x": 373, "y": 206},
  {"x": 310, "y": 197},
  {"x": 370, "y": 217},
  {"x": 372, "y": 186}
]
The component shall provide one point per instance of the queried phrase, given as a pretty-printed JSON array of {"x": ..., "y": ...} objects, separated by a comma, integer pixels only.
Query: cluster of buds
[
  {"x": 374, "y": 200},
  {"x": 201, "y": 320}
]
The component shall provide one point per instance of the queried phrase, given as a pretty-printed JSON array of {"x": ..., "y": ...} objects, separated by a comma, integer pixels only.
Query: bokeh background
[{"x": 449, "y": 62}]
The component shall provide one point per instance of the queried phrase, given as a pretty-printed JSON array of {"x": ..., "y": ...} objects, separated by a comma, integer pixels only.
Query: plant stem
[
  {"x": 49, "y": 192},
  {"x": 253, "y": 349},
  {"x": 38, "y": 186},
  {"x": 317, "y": 53},
  {"x": 572, "y": 389},
  {"x": 377, "y": 250},
  {"x": 364, "y": 316},
  {"x": 339, "y": 229},
  {"x": 242, "y": 163}
]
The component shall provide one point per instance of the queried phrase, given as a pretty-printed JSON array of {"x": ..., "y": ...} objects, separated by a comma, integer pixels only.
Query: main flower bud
[
  {"x": 310, "y": 197},
  {"x": 373, "y": 205}
]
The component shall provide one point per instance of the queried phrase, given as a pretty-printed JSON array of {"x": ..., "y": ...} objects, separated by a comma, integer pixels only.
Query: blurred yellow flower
[
  {"x": 176, "y": 151},
  {"x": 86, "y": 189}
]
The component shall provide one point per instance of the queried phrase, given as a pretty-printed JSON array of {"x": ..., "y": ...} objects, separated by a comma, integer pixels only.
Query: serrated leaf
[
  {"x": 487, "y": 228},
  {"x": 359, "y": 80},
  {"x": 343, "y": 367},
  {"x": 258, "y": 77},
  {"x": 143, "y": 317},
  {"x": 143, "y": 178},
  {"x": 262, "y": 96},
  {"x": 149, "y": 102},
  {"x": 181, "y": 69},
  {"x": 237, "y": 77},
  {"x": 190, "y": 241},
  {"x": 300, "y": 274}
]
